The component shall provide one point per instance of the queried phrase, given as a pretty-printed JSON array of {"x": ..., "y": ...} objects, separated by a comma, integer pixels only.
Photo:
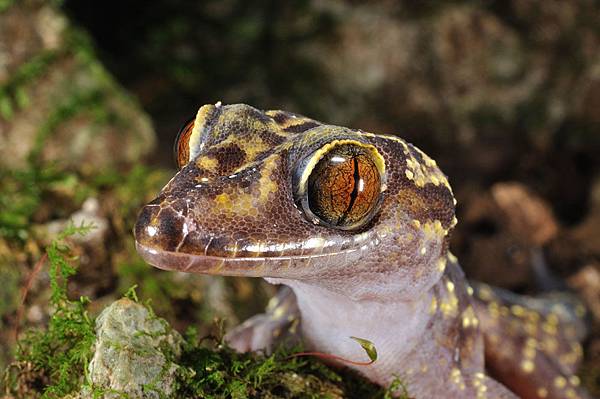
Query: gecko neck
[{"x": 407, "y": 335}]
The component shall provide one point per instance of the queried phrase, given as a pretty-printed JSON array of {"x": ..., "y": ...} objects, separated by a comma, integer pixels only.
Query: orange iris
[{"x": 344, "y": 186}]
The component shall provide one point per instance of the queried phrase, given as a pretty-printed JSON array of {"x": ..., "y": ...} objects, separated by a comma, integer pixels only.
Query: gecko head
[{"x": 281, "y": 196}]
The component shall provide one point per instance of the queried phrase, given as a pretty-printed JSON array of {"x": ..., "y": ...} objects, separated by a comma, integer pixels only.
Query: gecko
[{"x": 356, "y": 226}]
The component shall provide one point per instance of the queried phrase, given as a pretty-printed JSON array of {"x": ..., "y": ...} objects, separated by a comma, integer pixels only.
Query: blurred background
[{"x": 505, "y": 95}]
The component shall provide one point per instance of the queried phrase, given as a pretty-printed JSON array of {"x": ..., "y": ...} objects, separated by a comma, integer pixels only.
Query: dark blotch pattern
[{"x": 229, "y": 157}]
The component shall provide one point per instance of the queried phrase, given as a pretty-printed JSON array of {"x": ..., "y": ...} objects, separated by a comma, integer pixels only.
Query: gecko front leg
[{"x": 265, "y": 331}]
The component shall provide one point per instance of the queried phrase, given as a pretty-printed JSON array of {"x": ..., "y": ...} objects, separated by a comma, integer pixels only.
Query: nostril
[
  {"x": 159, "y": 228},
  {"x": 145, "y": 221}
]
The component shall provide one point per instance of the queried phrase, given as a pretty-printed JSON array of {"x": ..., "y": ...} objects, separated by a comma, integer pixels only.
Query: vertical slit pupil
[{"x": 354, "y": 193}]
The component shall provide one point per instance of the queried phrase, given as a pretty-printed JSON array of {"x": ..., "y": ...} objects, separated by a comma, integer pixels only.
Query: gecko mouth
[{"x": 289, "y": 266}]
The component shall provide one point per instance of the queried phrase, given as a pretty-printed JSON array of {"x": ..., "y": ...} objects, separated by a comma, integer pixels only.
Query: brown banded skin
[{"x": 357, "y": 225}]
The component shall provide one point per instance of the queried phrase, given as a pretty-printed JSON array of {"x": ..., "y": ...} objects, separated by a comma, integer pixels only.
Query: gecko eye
[
  {"x": 181, "y": 149},
  {"x": 341, "y": 184}
]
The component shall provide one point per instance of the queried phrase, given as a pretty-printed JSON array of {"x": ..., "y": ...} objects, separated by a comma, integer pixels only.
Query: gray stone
[{"x": 134, "y": 353}]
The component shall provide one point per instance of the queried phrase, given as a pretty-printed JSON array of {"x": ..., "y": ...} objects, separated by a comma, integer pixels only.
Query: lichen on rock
[{"x": 134, "y": 353}]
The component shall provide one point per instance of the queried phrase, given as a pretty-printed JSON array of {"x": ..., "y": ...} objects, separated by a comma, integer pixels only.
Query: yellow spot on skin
[
  {"x": 454, "y": 222},
  {"x": 424, "y": 174},
  {"x": 434, "y": 230},
  {"x": 416, "y": 223},
  {"x": 486, "y": 293},
  {"x": 294, "y": 326},
  {"x": 560, "y": 382},
  {"x": 549, "y": 328},
  {"x": 433, "y": 306},
  {"x": 493, "y": 309},
  {"x": 469, "y": 290},
  {"x": 456, "y": 376},
  {"x": 542, "y": 392},
  {"x": 527, "y": 366},
  {"x": 452, "y": 258},
  {"x": 266, "y": 184},
  {"x": 571, "y": 394},
  {"x": 423, "y": 250},
  {"x": 223, "y": 201},
  {"x": 441, "y": 264},
  {"x": 469, "y": 319},
  {"x": 253, "y": 147},
  {"x": 279, "y": 313},
  {"x": 236, "y": 205},
  {"x": 207, "y": 163},
  {"x": 449, "y": 307},
  {"x": 450, "y": 286},
  {"x": 552, "y": 319},
  {"x": 574, "y": 380},
  {"x": 517, "y": 310}
]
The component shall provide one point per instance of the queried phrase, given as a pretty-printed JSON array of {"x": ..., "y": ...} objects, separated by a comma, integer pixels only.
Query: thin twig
[
  {"x": 25, "y": 290},
  {"x": 332, "y": 357}
]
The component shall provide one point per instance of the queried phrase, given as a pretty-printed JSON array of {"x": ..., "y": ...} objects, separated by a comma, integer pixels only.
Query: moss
[
  {"x": 9, "y": 299},
  {"x": 72, "y": 106},
  {"x": 12, "y": 93},
  {"x": 5, "y": 4},
  {"x": 57, "y": 357},
  {"x": 217, "y": 371},
  {"x": 23, "y": 192},
  {"x": 10, "y": 279}
]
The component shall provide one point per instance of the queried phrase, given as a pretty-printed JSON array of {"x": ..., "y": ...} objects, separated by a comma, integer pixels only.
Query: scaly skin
[{"x": 234, "y": 209}]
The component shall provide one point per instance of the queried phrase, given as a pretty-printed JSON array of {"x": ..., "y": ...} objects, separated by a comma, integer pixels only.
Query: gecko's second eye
[
  {"x": 181, "y": 149},
  {"x": 340, "y": 184}
]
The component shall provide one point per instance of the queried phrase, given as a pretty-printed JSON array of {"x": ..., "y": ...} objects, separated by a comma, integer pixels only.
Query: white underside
[{"x": 330, "y": 319}]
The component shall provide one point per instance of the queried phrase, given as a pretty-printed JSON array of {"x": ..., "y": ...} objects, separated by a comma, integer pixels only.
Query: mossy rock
[{"x": 57, "y": 102}]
